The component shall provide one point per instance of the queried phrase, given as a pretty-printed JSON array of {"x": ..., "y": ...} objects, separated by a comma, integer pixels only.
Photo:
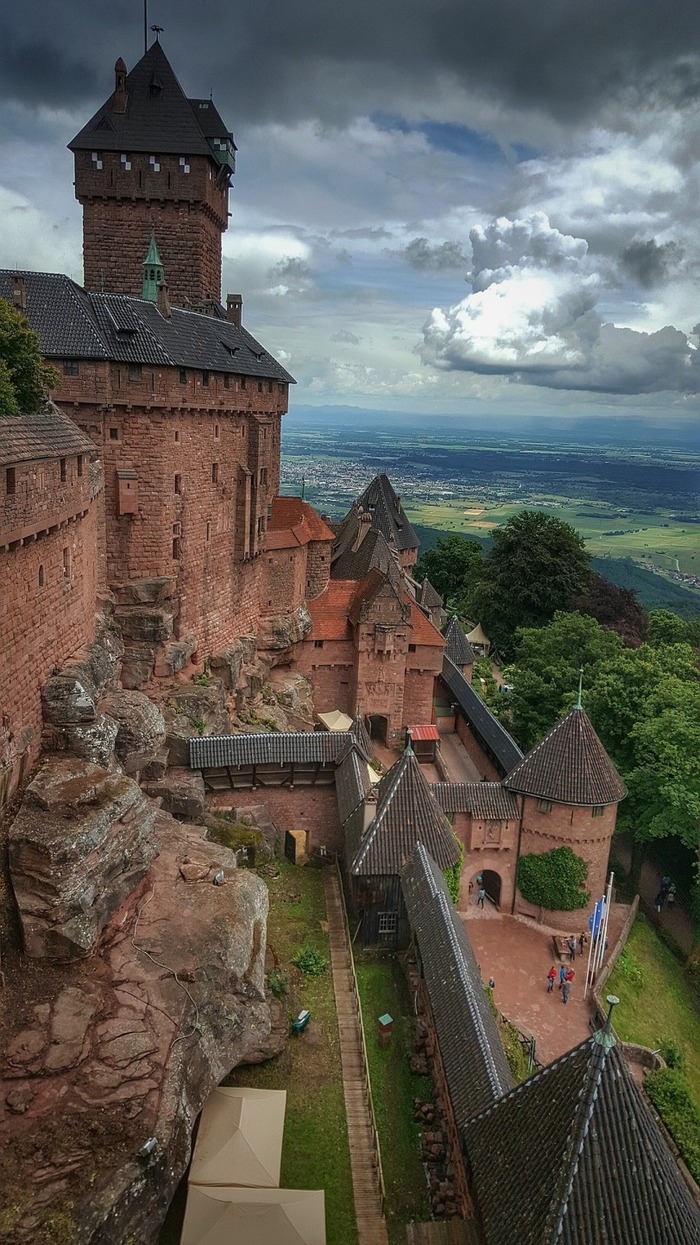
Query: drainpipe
[{"x": 517, "y": 854}]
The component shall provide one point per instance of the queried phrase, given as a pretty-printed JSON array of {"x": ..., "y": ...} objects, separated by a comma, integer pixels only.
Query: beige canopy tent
[
  {"x": 335, "y": 720},
  {"x": 479, "y": 639},
  {"x": 225, "y": 1216},
  {"x": 240, "y": 1138}
]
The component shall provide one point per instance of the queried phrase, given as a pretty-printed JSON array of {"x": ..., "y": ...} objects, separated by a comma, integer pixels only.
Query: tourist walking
[
  {"x": 481, "y": 897},
  {"x": 659, "y": 901},
  {"x": 671, "y": 896},
  {"x": 565, "y": 991},
  {"x": 551, "y": 978},
  {"x": 571, "y": 944},
  {"x": 562, "y": 975},
  {"x": 582, "y": 940}
]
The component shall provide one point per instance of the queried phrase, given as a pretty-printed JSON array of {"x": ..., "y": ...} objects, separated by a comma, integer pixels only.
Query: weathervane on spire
[
  {"x": 157, "y": 30},
  {"x": 579, "y": 702}
]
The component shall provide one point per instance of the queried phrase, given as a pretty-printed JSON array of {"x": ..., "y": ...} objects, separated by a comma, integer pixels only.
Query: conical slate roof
[
  {"x": 388, "y": 514},
  {"x": 158, "y": 118},
  {"x": 407, "y": 813},
  {"x": 569, "y": 766},
  {"x": 574, "y": 1156},
  {"x": 457, "y": 646}
]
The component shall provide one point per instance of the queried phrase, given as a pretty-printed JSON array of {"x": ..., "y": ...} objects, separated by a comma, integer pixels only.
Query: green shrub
[
  {"x": 669, "y": 1093},
  {"x": 453, "y": 875},
  {"x": 673, "y": 1053},
  {"x": 278, "y": 982},
  {"x": 554, "y": 879},
  {"x": 310, "y": 962}
]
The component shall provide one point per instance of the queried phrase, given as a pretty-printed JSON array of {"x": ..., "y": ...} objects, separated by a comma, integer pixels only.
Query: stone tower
[
  {"x": 153, "y": 161},
  {"x": 570, "y": 791}
]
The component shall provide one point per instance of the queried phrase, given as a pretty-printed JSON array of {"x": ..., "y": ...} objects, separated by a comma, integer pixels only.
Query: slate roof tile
[
  {"x": 574, "y": 1156},
  {"x": 475, "y": 1065},
  {"x": 457, "y": 646},
  {"x": 75, "y": 325},
  {"x": 488, "y": 800},
  {"x": 388, "y": 514},
  {"x": 263, "y": 748},
  {"x": 480, "y": 718},
  {"x": 45, "y": 434},
  {"x": 569, "y": 766},
  {"x": 407, "y": 813},
  {"x": 159, "y": 118}
]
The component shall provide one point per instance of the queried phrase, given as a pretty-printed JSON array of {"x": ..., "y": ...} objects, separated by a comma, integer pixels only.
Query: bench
[{"x": 560, "y": 947}]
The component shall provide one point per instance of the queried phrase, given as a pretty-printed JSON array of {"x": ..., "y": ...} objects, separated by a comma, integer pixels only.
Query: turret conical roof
[
  {"x": 569, "y": 766},
  {"x": 407, "y": 813}
]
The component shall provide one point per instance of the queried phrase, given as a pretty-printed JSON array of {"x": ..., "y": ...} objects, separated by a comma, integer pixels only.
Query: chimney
[
  {"x": 120, "y": 96},
  {"x": 19, "y": 293},
  {"x": 163, "y": 300},
  {"x": 234, "y": 309}
]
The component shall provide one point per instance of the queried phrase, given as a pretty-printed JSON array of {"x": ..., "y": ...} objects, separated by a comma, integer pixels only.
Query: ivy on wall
[
  {"x": 554, "y": 879},
  {"x": 453, "y": 875}
]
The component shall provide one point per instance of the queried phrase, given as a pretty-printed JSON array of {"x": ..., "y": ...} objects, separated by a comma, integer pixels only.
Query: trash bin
[
  {"x": 301, "y": 1021},
  {"x": 385, "y": 1024}
]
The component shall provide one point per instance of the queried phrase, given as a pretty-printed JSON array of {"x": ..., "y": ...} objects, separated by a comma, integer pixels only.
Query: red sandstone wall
[
  {"x": 484, "y": 764},
  {"x": 41, "y": 624},
  {"x": 487, "y": 845},
  {"x": 586, "y": 835},
  {"x": 330, "y": 671},
  {"x": 318, "y": 568},
  {"x": 187, "y": 211},
  {"x": 419, "y": 686},
  {"x": 283, "y": 580},
  {"x": 161, "y": 428}
]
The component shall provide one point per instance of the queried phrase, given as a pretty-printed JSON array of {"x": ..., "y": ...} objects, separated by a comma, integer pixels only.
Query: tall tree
[
  {"x": 536, "y": 564},
  {"x": 616, "y": 609},
  {"x": 24, "y": 377},
  {"x": 452, "y": 567}
]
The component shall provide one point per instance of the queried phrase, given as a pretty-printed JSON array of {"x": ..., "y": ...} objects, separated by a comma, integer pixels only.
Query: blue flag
[{"x": 596, "y": 917}]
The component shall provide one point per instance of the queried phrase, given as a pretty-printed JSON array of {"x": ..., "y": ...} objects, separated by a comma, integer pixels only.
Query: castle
[
  {"x": 151, "y": 489},
  {"x": 143, "y": 540}
]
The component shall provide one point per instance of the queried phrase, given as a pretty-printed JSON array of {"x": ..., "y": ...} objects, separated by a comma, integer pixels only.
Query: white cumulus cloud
[{"x": 531, "y": 316}]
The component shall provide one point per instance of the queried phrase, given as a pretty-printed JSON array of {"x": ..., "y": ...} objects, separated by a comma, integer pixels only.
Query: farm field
[{"x": 635, "y": 504}]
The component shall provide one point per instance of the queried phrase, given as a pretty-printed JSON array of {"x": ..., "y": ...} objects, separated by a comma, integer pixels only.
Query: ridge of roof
[
  {"x": 457, "y": 646},
  {"x": 73, "y": 324},
  {"x": 158, "y": 116},
  {"x": 406, "y": 813},
  {"x": 574, "y": 1155},
  {"x": 387, "y": 512},
  {"x": 568, "y": 766},
  {"x": 480, "y": 718}
]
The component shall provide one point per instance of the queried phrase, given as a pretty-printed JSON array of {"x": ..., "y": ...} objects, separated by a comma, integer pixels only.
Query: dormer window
[
  {"x": 154, "y": 163},
  {"x": 96, "y": 161},
  {"x": 184, "y": 164},
  {"x": 125, "y": 162}
]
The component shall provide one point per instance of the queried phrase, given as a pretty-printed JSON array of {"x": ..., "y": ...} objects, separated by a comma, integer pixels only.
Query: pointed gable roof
[
  {"x": 569, "y": 766},
  {"x": 407, "y": 813},
  {"x": 574, "y": 1156},
  {"x": 387, "y": 513},
  {"x": 475, "y": 1065},
  {"x": 158, "y": 117},
  {"x": 457, "y": 646}
]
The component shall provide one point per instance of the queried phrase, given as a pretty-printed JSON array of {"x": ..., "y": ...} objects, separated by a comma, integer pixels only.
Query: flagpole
[
  {"x": 604, "y": 935},
  {"x": 590, "y": 953}
]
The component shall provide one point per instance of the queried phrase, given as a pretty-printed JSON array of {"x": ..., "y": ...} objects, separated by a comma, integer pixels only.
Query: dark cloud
[
  {"x": 650, "y": 263},
  {"x": 344, "y": 335},
  {"x": 276, "y": 60},
  {"x": 291, "y": 269},
  {"x": 439, "y": 257}
]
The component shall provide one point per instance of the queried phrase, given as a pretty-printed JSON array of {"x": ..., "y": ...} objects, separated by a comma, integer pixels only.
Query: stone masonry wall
[
  {"x": 187, "y": 212},
  {"x": 577, "y": 828},
  {"x": 48, "y": 584},
  {"x": 484, "y": 764},
  {"x": 330, "y": 673}
]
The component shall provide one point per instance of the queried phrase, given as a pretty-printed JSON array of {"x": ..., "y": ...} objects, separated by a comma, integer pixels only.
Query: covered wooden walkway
[{"x": 367, "y": 1180}]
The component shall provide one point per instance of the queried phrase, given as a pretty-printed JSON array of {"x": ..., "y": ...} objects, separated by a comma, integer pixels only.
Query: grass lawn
[
  {"x": 315, "y": 1154},
  {"x": 657, "y": 999},
  {"x": 383, "y": 989}
]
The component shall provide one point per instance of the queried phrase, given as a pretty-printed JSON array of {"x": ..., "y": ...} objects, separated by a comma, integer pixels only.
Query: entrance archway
[
  {"x": 378, "y": 727},
  {"x": 492, "y": 886}
]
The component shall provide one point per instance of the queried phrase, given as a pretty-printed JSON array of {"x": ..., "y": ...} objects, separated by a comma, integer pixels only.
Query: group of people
[
  {"x": 566, "y": 978},
  {"x": 566, "y": 975},
  {"x": 666, "y": 895}
]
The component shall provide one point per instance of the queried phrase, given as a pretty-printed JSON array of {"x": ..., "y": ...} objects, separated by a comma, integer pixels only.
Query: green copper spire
[
  {"x": 579, "y": 699},
  {"x": 153, "y": 272}
]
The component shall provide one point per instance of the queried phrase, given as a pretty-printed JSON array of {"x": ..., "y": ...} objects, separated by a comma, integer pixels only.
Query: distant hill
[{"x": 653, "y": 591}]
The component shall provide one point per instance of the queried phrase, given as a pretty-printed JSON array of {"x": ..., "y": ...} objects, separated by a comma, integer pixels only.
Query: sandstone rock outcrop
[
  {"x": 193, "y": 709},
  {"x": 141, "y": 729},
  {"x": 81, "y": 842},
  {"x": 181, "y": 792},
  {"x": 281, "y": 631},
  {"x": 228, "y": 665},
  {"x": 131, "y": 1048},
  {"x": 294, "y": 694}
]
